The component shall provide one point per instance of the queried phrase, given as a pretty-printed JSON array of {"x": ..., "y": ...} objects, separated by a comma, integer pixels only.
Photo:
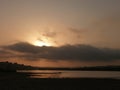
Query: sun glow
[{"x": 41, "y": 43}]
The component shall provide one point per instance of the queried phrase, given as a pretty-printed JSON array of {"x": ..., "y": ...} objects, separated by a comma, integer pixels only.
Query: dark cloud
[
  {"x": 77, "y": 32},
  {"x": 67, "y": 52},
  {"x": 23, "y": 47},
  {"x": 74, "y": 30},
  {"x": 3, "y": 52},
  {"x": 49, "y": 34}
]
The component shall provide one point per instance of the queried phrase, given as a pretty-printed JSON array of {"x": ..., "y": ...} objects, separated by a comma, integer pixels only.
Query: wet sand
[{"x": 21, "y": 81}]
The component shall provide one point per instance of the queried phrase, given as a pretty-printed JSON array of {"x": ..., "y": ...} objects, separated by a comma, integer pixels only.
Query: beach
[{"x": 21, "y": 81}]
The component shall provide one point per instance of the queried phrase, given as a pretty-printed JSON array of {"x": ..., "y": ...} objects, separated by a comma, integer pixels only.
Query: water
[{"x": 72, "y": 74}]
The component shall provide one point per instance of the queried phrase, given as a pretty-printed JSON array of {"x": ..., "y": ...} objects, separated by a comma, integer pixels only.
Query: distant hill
[
  {"x": 100, "y": 68},
  {"x": 13, "y": 67},
  {"x": 95, "y": 68}
]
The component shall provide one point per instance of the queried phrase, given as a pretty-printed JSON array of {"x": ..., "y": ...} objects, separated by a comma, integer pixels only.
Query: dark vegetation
[
  {"x": 12, "y": 67},
  {"x": 9, "y": 67}
]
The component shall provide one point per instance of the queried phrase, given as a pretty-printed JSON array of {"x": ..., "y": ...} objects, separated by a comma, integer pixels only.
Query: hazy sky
[{"x": 61, "y": 22}]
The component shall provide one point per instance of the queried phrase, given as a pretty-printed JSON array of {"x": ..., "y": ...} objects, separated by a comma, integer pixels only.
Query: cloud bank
[{"x": 66, "y": 52}]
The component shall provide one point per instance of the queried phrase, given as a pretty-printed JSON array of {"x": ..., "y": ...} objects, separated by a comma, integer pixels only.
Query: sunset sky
[{"x": 60, "y": 33}]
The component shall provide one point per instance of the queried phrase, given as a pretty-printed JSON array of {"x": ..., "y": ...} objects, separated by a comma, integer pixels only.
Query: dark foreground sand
[{"x": 20, "y": 81}]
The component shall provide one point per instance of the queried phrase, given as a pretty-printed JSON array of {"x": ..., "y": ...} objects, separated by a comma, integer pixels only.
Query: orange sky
[{"x": 61, "y": 22}]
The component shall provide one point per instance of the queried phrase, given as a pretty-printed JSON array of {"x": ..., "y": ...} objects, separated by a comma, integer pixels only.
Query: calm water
[{"x": 72, "y": 74}]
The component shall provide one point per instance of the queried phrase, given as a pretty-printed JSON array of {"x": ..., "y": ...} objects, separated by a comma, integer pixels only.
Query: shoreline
[{"x": 21, "y": 81}]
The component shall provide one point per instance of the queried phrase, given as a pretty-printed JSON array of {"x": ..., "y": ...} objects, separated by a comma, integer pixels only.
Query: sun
[{"x": 41, "y": 43}]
